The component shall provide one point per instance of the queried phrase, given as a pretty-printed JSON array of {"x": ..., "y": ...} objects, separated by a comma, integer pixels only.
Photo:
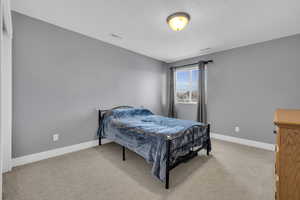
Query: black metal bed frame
[{"x": 192, "y": 152}]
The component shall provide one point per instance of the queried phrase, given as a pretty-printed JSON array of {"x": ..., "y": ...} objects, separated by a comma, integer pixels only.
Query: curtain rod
[{"x": 205, "y": 62}]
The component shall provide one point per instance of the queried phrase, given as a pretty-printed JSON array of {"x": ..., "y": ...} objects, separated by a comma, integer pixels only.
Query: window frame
[{"x": 190, "y": 69}]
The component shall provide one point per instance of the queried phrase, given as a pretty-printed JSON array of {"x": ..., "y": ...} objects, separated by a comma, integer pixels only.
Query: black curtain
[
  {"x": 201, "y": 104},
  {"x": 172, "y": 111}
]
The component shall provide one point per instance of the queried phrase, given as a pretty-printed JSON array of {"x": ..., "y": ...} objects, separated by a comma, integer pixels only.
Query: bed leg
[
  {"x": 167, "y": 181},
  {"x": 208, "y": 145},
  {"x": 123, "y": 149},
  {"x": 99, "y": 124},
  {"x": 168, "y": 145}
]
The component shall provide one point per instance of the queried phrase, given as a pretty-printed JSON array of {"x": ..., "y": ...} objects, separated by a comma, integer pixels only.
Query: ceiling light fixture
[{"x": 178, "y": 21}]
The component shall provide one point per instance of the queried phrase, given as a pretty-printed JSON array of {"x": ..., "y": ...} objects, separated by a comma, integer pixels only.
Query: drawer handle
[
  {"x": 277, "y": 177},
  {"x": 275, "y": 132}
]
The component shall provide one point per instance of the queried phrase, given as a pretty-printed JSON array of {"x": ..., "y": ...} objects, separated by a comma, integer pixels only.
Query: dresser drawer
[
  {"x": 276, "y": 163},
  {"x": 287, "y": 165},
  {"x": 276, "y": 189},
  {"x": 277, "y": 148},
  {"x": 277, "y": 132}
]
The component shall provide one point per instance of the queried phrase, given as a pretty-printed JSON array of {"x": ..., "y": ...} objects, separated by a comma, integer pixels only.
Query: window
[{"x": 186, "y": 85}]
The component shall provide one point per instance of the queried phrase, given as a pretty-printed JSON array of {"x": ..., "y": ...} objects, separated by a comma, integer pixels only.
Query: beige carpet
[{"x": 233, "y": 172}]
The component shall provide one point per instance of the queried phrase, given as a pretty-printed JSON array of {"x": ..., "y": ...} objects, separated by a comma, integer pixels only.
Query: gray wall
[
  {"x": 60, "y": 77},
  {"x": 247, "y": 84}
]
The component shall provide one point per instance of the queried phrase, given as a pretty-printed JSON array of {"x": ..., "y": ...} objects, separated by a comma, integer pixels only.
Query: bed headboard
[
  {"x": 102, "y": 112},
  {"x": 117, "y": 107}
]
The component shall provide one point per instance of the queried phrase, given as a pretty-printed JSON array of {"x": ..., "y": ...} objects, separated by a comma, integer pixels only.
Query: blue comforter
[{"x": 145, "y": 133}]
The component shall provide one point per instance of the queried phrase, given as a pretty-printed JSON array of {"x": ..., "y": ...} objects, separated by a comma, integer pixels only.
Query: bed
[{"x": 163, "y": 142}]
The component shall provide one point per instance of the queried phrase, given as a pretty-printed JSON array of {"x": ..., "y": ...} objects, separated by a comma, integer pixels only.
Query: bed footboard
[{"x": 192, "y": 153}]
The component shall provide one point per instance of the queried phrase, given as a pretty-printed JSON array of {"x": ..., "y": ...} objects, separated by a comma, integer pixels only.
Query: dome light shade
[{"x": 178, "y": 21}]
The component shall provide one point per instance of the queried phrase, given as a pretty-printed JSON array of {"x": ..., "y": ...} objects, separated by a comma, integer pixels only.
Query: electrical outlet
[
  {"x": 55, "y": 137},
  {"x": 237, "y": 129}
]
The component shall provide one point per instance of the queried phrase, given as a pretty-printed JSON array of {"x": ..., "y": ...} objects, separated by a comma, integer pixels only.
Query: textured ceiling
[{"x": 215, "y": 24}]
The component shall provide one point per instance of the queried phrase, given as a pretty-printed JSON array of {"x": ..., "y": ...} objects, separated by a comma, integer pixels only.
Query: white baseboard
[
  {"x": 77, "y": 147},
  {"x": 55, "y": 152},
  {"x": 252, "y": 143}
]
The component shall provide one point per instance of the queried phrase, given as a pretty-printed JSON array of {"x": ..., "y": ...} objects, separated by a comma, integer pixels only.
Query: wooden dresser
[{"x": 287, "y": 166}]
